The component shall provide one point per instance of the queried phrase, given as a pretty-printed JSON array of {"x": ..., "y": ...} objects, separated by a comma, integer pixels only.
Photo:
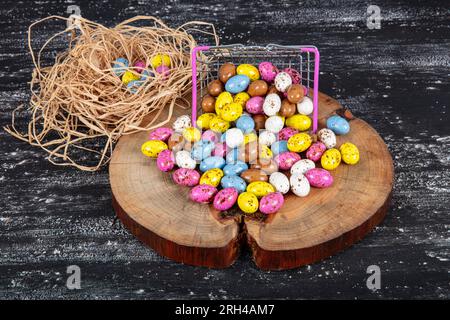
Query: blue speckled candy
[
  {"x": 338, "y": 125},
  {"x": 235, "y": 169},
  {"x": 202, "y": 149},
  {"x": 211, "y": 163},
  {"x": 146, "y": 74},
  {"x": 237, "y": 84},
  {"x": 134, "y": 85},
  {"x": 233, "y": 182},
  {"x": 245, "y": 123},
  {"x": 232, "y": 155},
  {"x": 120, "y": 66},
  {"x": 278, "y": 147}
]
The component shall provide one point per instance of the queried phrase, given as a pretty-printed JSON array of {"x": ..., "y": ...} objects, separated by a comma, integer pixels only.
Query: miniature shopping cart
[{"x": 207, "y": 60}]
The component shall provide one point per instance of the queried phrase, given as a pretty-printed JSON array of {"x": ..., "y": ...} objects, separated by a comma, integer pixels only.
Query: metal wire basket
[{"x": 206, "y": 61}]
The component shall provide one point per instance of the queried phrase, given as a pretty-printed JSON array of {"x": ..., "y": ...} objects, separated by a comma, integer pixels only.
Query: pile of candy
[
  {"x": 255, "y": 155},
  {"x": 133, "y": 77}
]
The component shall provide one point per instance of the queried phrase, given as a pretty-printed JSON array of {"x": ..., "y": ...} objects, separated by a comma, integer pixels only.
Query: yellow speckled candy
[
  {"x": 192, "y": 134},
  {"x": 160, "y": 59},
  {"x": 153, "y": 147},
  {"x": 217, "y": 124},
  {"x": 242, "y": 98},
  {"x": 223, "y": 99},
  {"x": 299, "y": 142},
  {"x": 248, "y": 202},
  {"x": 204, "y": 120},
  {"x": 129, "y": 76},
  {"x": 250, "y": 137},
  {"x": 350, "y": 153},
  {"x": 231, "y": 111},
  {"x": 212, "y": 177},
  {"x": 260, "y": 188},
  {"x": 331, "y": 159},
  {"x": 265, "y": 152},
  {"x": 249, "y": 71},
  {"x": 299, "y": 122}
]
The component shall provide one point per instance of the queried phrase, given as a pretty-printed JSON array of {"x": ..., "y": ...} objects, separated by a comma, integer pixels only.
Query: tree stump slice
[{"x": 159, "y": 213}]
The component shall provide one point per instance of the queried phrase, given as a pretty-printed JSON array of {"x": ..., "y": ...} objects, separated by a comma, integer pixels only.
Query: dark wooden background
[{"x": 396, "y": 78}]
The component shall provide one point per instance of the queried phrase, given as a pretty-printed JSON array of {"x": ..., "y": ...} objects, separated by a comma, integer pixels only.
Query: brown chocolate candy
[
  {"x": 260, "y": 121},
  {"x": 249, "y": 153},
  {"x": 257, "y": 88},
  {"x": 295, "y": 93},
  {"x": 208, "y": 103},
  {"x": 252, "y": 175},
  {"x": 226, "y": 71},
  {"x": 269, "y": 166},
  {"x": 215, "y": 88},
  {"x": 176, "y": 142},
  {"x": 287, "y": 108}
]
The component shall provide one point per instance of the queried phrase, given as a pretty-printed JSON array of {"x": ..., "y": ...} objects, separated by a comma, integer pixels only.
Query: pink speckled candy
[
  {"x": 295, "y": 75},
  {"x": 267, "y": 71},
  {"x": 319, "y": 178},
  {"x": 286, "y": 133},
  {"x": 225, "y": 199},
  {"x": 163, "y": 70},
  {"x": 165, "y": 160},
  {"x": 315, "y": 151},
  {"x": 286, "y": 160},
  {"x": 202, "y": 193},
  {"x": 186, "y": 177},
  {"x": 220, "y": 150},
  {"x": 139, "y": 66},
  {"x": 210, "y": 136},
  {"x": 271, "y": 203},
  {"x": 162, "y": 134},
  {"x": 255, "y": 105}
]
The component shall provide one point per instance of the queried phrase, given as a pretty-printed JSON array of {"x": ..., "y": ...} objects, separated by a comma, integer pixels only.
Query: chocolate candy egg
[
  {"x": 160, "y": 60},
  {"x": 280, "y": 182},
  {"x": 234, "y": 137},
  {"x": 153, "y": 147},
  {"x": 233, "y": 154},
  {"x": 260, "y": 188},
  {"x": 250, "y": 137},
  {"x": 273, "y": 89},
  {"x": 255, "y": 105},
  {"x": 162, "y": 134},
  {"x": 204, "y": 119},
  {"x": 186, "y": 177},
  {"x": 220, "y": 150},
  {"x": 248, "y": 202},
  {"x": 271, "y": 203},
  {"x": 183, "y": 159},
  {"x": 249, "y": 71},
  {"x": 208, "y": 103},
  {"x": 129, "y": 76},
  {"x": 226, "y": 71},
  {"x": 331, "y": 159},
  {"x": 139, "y": 66},
  {"x": 223, "y": 99},
  {"x": 274, "y": 124},
  {"x": 215, "y": 88},
  {"x": 257, "y": 88},
  {"x": 282, "y": 81},
  {"x": 210, "y": 136},
  {"x": 294, "y": 74},
  {"x": 202, "y": 149},
  {"x": 267, "y": 71},
  {"x": 267, "y": 166},
  {"x": 212, "y": 177},
  {"x": 249, "y": 153},
  {"x": 299, "y": 122},
  {"x": 350, "y": 153},
  {"x": 176, "y": 142},
  {"x": 165, "y": 161},
  {"x": 338, "y": 125},
  {"x": 237, "y": 83},
  {"x": 192, "y": 134},
  {"x": 302, "y": 166},
  {"x": 286, "y": 133},
  {"x": 327, "y": 137},
  {"x": 252, "y": 175},
  {"x": 241, "y": 98},
  {"x": 266, "y": 138},
  {"x": 245, "y": 123},
  {"x": 231, "y": 112},
  {"x": 219, "y": 125},
  {"x": 260, "y": 121},
  {"x": 287, "y": 108},
  {"x": 315, "y": 151},
  {"x": 235, "y": 182},
  {"x": 164, "y": 71},
  {"x": 203, "y": 193},
  {"x": 319, "y": 178},
  {"x": 305, "y": 106},
  {"x": 225, "y": 199},
  {"x": 299, "y": 142},
  {"x": 272, "y": 104},
  {"x": 120, "y": 65},
  {"x": 286, "y": 160},
  {"x": 212, "y": 163},
  {"x": 295, "y": 93},
  {"x": 279, "y": 146},
  {"x": 265, "y": 153},
  {"x": 181, "y": 123},
  {"x": 235, "y": 169},
  {"x": 299, "y": 185}
]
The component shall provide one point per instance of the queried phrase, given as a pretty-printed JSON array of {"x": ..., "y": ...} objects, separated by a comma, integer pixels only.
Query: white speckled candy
[
  {"x": 272, "y": 104},
  {"x": 274, "y": 124},
  {"x": 302, "y": 166},
  {"x": 267, "y": 138},
  {"x": 282, "y": 81},
  {"x": 280, "y": 182},
  {"x": 234, "y": 137},
  {"x": 184, "y": 160},
  {"x": 299, "y": 185},
  {"x": 305, "y": 106},
  {"x": 181, "y": 123},
  {"x": 327, "y": 137}
]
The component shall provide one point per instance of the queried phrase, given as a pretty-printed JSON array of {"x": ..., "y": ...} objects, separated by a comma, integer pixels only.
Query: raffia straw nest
[{"x": 79, "y": 103}]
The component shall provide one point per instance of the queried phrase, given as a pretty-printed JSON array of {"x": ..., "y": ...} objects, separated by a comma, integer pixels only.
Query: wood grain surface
[{"x": 395, "y": 78}]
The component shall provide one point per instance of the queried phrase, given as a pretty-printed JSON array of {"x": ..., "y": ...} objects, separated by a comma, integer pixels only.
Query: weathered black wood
[{"x": 396, "y": 78}]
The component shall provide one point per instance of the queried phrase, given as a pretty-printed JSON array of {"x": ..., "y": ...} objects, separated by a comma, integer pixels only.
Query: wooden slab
[{"x": 306, "y": 230}]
